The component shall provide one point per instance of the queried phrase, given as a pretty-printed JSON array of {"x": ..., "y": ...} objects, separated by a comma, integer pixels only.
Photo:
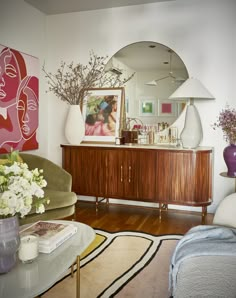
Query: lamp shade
[
  {"x": 192, "y": 88},
  {"x": 191, "y": 135}
]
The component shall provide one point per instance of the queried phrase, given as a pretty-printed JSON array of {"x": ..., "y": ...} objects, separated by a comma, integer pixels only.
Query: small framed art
[
  {"x": 147, "y": 107},
  {"x": 102, "y": 110},
  {"x": 166, "y": 108}
]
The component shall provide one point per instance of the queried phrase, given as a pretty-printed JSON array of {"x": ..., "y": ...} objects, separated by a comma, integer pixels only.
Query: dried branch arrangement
[{"x": 70, "y": 81}]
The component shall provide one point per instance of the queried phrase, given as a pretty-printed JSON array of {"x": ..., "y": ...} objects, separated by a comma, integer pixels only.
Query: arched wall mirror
[{"x": 159, "y": 71}]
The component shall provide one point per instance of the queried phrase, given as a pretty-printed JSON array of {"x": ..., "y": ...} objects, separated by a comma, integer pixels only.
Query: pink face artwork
[
  {"x": 12, "y": 70},
  {"x": 11, "y": 73},
  {"x": 18, "y": 103},
  {"x": 27, "y": 106}
]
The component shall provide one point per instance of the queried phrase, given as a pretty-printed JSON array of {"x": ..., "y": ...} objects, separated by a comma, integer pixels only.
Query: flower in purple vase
[{"x": 227, "y": 122}]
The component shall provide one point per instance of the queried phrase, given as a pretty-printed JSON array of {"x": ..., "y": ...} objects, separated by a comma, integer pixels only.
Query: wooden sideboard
[{"x": 147, "y": 174}]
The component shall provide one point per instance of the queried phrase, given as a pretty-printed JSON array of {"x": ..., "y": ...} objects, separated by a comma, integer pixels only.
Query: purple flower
[{"x": 227, "y": 121}]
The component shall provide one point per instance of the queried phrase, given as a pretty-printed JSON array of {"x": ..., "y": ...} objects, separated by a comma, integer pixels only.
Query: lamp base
[{"x": 191, "y": 134}]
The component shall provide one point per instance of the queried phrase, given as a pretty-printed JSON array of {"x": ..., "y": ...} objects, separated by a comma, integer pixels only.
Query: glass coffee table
[{"x": 31, "y": 280}]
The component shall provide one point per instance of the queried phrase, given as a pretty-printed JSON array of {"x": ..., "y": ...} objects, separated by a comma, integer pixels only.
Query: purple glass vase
[
  {"x": 9, "y": 243},
  {"x": 230, "y": 159}
]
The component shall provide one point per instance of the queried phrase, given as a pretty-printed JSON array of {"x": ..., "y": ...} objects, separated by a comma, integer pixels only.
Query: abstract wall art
[{"x": 19, "y": 100}]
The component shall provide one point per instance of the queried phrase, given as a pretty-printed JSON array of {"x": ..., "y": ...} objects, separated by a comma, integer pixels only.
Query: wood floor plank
[{"x": 115, "y": 218}]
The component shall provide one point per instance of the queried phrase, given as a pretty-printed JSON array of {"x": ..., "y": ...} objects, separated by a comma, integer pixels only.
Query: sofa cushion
[
  {"x": 58, "y": 199},
  {"x": 225, "y": 212},
  {"x": 56, "y": 177}
]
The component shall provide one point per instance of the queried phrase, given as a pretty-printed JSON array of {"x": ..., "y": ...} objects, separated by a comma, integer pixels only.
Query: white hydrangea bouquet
[{"x": 20, "y": 188}]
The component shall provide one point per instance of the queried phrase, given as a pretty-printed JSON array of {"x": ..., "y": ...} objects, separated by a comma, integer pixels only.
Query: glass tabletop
[{"x": 31, "y": 280}]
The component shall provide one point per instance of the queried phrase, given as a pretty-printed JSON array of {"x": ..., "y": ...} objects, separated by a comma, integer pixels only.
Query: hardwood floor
[{"x": 122, "y": 217}]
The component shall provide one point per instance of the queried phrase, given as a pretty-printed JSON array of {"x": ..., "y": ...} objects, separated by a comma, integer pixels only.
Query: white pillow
[{"x": 225, "y": 214}]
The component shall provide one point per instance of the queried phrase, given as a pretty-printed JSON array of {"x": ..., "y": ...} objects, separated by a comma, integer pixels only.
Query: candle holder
[{"x": 29, "y": 248}]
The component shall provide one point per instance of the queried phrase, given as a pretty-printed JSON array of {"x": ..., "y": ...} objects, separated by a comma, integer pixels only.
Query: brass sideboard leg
[
  {"x": 160, "y": 205},
  {"x": 102, "y": 199},
  {"x": 204, "y": 214},
  {"x": 78, "y": 277},
  {"x": 165, "y": 206},
  {"x": 97, "y": 202}
]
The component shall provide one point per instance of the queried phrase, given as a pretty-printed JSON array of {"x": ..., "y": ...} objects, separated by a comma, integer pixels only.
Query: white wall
[
  {"x": 22, "y": 27},
  {"x": 202, "y": 35}
]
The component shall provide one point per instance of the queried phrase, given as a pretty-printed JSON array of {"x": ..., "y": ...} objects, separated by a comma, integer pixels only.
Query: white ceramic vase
[{"x": 75, "y": 127}]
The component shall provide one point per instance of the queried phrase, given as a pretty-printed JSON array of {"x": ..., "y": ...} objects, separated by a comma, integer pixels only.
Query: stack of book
[{"x": 50, "y": 234}]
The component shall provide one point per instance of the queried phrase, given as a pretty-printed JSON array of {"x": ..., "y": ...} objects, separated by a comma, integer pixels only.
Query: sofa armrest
[
  {"x": 225, "y": 212},
  {"x": 56, "y": 177}
]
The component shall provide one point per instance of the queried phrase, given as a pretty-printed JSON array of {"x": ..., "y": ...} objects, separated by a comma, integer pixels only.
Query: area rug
[{"x": 121, "y": 264}]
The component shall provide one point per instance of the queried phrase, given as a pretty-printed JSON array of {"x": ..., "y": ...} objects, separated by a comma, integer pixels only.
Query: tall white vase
[{"x": 75, "y": 127}]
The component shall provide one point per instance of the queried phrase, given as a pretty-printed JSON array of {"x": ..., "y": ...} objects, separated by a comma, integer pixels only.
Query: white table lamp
[{"x": 191, "y": 134}]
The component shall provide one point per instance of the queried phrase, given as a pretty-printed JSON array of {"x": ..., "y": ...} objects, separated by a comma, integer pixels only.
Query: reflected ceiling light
[
  {"x": 151, "y": 83},
  {"x": 170, "y": 74},
  {"x": 191, "y": 134}
]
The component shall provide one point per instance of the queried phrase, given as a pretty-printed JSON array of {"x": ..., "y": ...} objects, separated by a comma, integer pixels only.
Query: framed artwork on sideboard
[{"x": 103, "y": 110}]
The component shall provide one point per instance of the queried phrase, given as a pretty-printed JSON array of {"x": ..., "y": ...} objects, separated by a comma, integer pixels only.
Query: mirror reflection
[{"x": 159, "y": 71}]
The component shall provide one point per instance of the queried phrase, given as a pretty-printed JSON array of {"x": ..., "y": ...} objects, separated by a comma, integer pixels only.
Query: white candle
[{"x": 28, "y": 250}]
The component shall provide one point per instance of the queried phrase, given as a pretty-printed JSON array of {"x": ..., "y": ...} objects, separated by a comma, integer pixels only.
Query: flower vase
[
  {"x": 9, "y": 243},
  {"x": 75, "y": 127},
  {"x": 229, "y": 154}
]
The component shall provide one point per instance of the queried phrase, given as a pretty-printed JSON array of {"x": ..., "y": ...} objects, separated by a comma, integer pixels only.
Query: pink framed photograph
[
  {"x": 102, "y": 111},
  {"x": 166, "y": 108}
]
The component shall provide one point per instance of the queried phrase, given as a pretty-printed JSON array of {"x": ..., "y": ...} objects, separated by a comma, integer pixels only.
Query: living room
[{"x": 202, "y": 33}]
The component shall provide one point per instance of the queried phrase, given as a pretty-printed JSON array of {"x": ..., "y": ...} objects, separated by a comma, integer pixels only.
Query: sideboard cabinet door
[
  {"x": 184, "y": 177},
  {"x": 131, "y": 174},
  {"x": 122, "y": 174},
  {"x": 147, "y": 175},
  {"x": 87, "y": 166}
]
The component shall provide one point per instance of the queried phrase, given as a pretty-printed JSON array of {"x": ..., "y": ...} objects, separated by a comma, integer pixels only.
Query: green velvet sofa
[{"x": 58, "y": 189}]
